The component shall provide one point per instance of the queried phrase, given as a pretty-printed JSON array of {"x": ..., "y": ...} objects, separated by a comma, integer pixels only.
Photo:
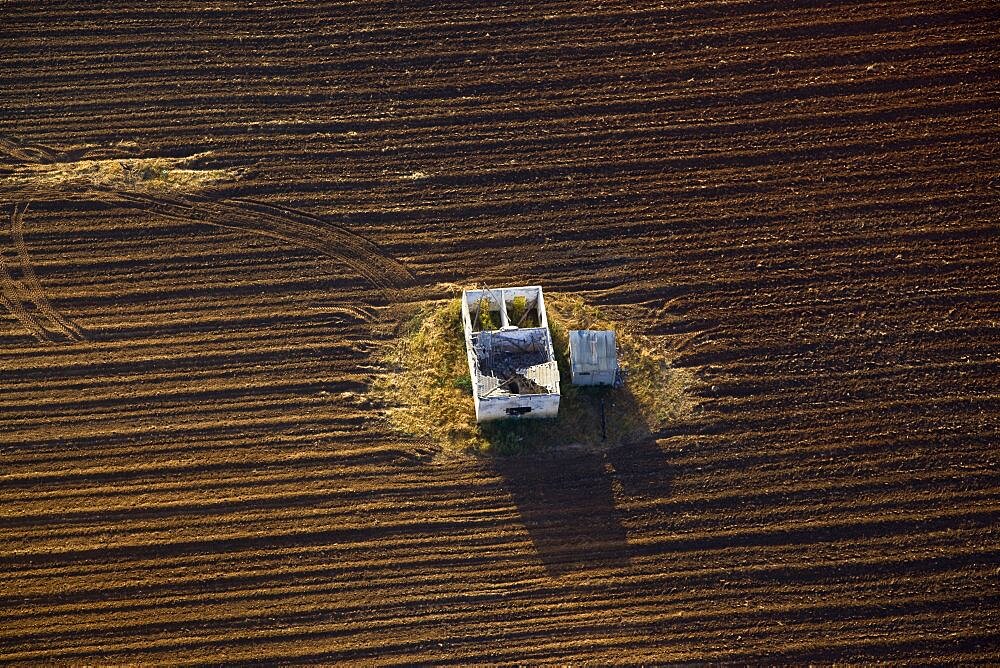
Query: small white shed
[{"x": 593, "y": 357}]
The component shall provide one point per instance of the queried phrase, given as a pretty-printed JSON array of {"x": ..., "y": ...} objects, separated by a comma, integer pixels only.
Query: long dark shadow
[{"x": 566, "y": 502}]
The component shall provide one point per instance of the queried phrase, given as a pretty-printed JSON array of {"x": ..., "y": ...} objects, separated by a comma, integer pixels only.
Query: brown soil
[{"x": 800, "y": 205}]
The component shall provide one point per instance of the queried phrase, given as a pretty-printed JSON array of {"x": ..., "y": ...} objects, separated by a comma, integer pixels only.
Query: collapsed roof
[{"x": 511, "y": 357}]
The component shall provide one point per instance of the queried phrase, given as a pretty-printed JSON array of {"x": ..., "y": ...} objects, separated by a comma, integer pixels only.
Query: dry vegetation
[
  {"x": 797, "y": 207},
  {"x": 427, "y": 391},
  {"x": 153, "y": 175}
]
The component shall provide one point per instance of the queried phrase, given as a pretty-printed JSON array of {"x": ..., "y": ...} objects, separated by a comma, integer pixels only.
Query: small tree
[
  {"x": 517, "y": 309},
  {"x": 485, "y": 315}
]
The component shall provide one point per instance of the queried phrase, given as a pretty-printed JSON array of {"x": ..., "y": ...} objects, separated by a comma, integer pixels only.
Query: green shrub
[
  {"x": 464, "y": 383},
  {"x": 516, "y": 310},
  {"x": 512, "y": 436}
]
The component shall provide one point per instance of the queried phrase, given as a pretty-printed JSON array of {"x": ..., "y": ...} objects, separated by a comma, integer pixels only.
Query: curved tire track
[
  {"x": 285, "y": 224},
  {"x": 12, "y": 299},
  {"x": 27, "y": 152},
  {"x": 33, "y": 286},
  {"x": 279, "y": 223}
]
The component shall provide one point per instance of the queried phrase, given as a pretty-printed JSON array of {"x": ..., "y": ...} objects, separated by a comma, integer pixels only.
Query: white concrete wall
[
  {"x": 495, "y": 408},
  {"x": 592, "y": 378}
]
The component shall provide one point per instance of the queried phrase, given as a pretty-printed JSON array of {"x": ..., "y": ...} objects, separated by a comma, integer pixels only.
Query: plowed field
[{"x": 214, "y": 213}]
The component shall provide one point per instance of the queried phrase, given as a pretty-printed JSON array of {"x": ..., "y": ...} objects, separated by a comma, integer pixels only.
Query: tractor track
[
  {"x": 282, "y": 223},
  {"x": 33, "y": 287}
]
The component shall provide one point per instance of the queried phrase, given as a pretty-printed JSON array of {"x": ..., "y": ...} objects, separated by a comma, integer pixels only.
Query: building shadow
[
  {"x": 567, "y": 504},
  {"x": 570, "y": 497},
  {"x": 642, "y": 470}
]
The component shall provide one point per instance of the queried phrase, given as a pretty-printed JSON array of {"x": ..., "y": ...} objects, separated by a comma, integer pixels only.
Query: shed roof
[{"x": 593, "y": 350}]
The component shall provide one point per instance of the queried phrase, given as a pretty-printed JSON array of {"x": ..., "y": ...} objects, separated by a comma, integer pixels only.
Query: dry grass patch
[
  {"x": 150, "y": 175},
  {"x": 426, "y": 390}
]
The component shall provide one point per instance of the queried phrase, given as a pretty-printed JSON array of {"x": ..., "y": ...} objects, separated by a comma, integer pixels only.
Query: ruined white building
[{"x": 511, "y": 359}]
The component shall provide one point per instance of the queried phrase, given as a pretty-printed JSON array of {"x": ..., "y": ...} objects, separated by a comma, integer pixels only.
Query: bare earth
[{"x": 212, "y": 216}]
